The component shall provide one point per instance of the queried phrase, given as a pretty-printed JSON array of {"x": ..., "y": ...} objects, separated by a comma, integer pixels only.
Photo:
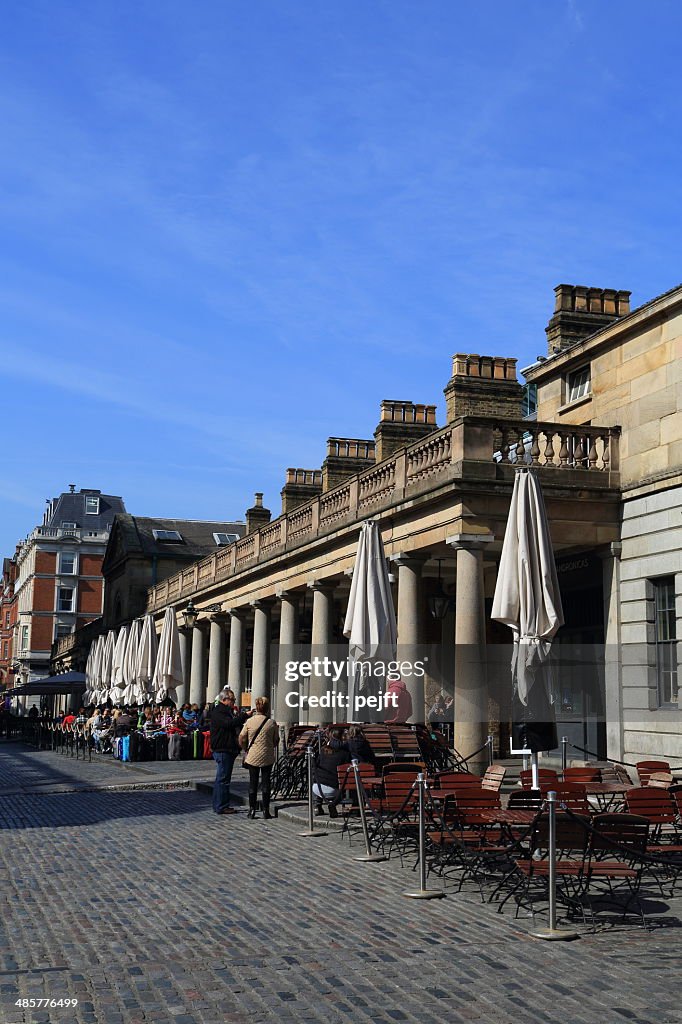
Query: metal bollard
[
  {"x": 312, "y": 832},
  {"x": 360, "y": 790},
  {"x": 553, "y": 933},
  {"x": 422, "y": 893},
  {"x": 564, "y": 745},
  {"x": 491, "y": 755}
]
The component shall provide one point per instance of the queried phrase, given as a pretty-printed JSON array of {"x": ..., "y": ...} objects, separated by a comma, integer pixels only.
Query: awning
[{"x": 68, "y": 682}]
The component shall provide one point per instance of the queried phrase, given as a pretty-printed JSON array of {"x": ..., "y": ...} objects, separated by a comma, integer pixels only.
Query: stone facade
[{"x": 633, "y": 370}]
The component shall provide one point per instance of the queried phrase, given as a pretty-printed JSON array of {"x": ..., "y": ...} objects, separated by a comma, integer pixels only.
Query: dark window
[{"x": 665, "y": 626}]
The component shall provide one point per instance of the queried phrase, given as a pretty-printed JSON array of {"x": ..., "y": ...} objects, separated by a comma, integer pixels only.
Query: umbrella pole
[
  {"x": 422, "y": 893},
  {"x": 552, "y": 934},
  {"x": 535, "y": 779},
  {"x": 311, "y": 833}
]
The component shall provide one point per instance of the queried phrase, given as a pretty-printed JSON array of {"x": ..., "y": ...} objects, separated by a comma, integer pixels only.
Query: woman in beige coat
[{"x": 259, "y": 738}]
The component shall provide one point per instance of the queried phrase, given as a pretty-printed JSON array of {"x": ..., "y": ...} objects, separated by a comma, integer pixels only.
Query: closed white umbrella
[
  {"x": 370, "y": 623},
  {"x": 117, "y": 679},
  {"x": 87, "y": 696},
  {"x": 168, "y": 673},
  {"x": 527, "y": 599},
  {"x": 96, "y": 670},
  {"x": 130, "y": 660},
  {"x": 146, "y": 661},
  {"x": 107, "y": 665}
]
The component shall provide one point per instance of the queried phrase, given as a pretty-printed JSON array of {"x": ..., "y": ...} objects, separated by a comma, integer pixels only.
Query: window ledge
[{"x": 574, "y": 404}]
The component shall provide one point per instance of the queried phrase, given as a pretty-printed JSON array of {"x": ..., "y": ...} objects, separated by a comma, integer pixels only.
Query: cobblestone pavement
[
  {"x": 146, "y": 907},
  {"x": 26, "y": 769}
]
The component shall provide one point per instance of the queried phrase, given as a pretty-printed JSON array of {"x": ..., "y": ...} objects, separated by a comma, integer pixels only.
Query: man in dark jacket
[{"x": 225, "y": 723}]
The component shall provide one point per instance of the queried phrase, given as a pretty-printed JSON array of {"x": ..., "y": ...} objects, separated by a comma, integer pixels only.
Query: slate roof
[
  {"x": 70, "y": 508},
  {"x": 135, "y": 535}
]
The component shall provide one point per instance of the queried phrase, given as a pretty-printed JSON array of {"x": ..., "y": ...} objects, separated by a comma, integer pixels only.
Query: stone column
[
  {"x": 216, "y": 657},
  {"x": 410, "y": 610},
  {"x": 471, "y": 687},
  {"x": 260, "y": 673},
  {"x": 235, "y": 668},
  {"x": 185, "y": 657},
  {"x": 323, "y": 606},
  {"x": 613, "y": 689},
  {"x": 197, "y": 679},
  {"x": 288, "y": 638}
]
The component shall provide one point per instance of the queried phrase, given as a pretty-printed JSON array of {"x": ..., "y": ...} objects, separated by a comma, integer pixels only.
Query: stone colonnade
[{"x": 214, "y": 652}]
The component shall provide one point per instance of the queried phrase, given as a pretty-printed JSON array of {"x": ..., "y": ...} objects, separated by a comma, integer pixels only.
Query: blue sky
[{"x": 229, "y": 229}]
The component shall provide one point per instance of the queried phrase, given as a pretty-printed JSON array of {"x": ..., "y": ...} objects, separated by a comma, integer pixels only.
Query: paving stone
[{"x": 148, "y": 908}]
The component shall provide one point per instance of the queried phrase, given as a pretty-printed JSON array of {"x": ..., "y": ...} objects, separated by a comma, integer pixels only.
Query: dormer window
[
  {"x": 91, "y": 505},
  {"x": 68, "y": 526},
  {"x": 223, "y": 539},
  {"x": 168, "y": 536},
  {"x": 578, "y": 384}
]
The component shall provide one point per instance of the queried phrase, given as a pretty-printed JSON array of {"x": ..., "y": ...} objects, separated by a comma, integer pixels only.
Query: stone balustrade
[{"x": 483, "y": 448}]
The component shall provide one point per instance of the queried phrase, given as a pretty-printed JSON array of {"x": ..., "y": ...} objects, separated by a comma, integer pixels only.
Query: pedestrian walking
[{"x": 259, "y": 739}]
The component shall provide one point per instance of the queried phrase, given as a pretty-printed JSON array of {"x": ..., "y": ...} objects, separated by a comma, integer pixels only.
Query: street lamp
[
  {"x": 439, "y": 603},
  {"x": 190, "y": 615}
]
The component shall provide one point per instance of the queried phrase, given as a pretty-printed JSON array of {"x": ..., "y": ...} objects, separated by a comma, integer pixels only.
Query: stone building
[
  {"x": 605, "y": 441},
  {"x": 629, "y": 373},
  {"x": 59, "y": 575}
]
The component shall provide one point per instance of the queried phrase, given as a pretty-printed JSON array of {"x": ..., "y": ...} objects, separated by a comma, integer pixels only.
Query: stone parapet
[{"x": 477, "y": 450}]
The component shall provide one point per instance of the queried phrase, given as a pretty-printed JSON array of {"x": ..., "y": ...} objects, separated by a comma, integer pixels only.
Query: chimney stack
[
  {"x": 257, "y": 515},
  {"x": 401, "y": 424},
  {"x": 580, "y": 312},
  {"x": 301, "y": 485},
  {"x": 483, "y": 386}
]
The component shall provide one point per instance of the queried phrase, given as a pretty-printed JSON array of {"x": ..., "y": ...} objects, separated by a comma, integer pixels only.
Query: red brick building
[
  {"x": 59, "y": 580},
  {"x": 8, "y": 620}
]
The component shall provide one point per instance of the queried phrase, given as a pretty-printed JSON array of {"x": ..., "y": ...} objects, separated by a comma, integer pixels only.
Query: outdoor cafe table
[{"x": 607, "y": 794}]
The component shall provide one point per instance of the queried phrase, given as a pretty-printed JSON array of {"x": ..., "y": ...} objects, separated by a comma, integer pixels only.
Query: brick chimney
[
  {"x": 401, "y": 424},
  {"x": 257, "y": 516},
  {"x": 346, "y": 456},
  {"x": 483, "y": 386},
  {"x": 301, "y": 485},
  {"x": 580, "y": 311}
]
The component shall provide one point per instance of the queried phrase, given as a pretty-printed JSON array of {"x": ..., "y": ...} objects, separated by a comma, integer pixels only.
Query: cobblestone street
[{"x": 146, "y": 907}]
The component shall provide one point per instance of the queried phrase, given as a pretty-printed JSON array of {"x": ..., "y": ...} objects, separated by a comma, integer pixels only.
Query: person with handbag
[{"x": 259, "y": 739}]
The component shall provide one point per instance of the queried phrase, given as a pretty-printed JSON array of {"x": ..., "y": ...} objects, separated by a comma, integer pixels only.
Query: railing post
[
  {"x": 369, "y": 856},
  {"x": 564, "y": 745},
  {"x": 489, "y": 744},
  {"x": 422, "y": 893},
  {"x": 311, "y": 832}
]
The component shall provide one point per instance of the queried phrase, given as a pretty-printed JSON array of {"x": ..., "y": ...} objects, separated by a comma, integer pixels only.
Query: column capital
[
  {"x": 287, "y": 595},
  {"x": 325, "y": 586},
  {"x": 470, "y": 541},
  {"x": 236, "y": 613},
  {"x": 220, "y": 617},
  {"x": 415, "y": 559},
  {"x": 263, "y": 604}
]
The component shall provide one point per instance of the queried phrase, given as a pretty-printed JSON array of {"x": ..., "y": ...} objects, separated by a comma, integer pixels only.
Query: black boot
[
  {"x": 319, "y": 809},
  {"x": 252, "y": 808},
  {"x": 266, "y": 811},
  {"x": 333, "y": 811}
]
